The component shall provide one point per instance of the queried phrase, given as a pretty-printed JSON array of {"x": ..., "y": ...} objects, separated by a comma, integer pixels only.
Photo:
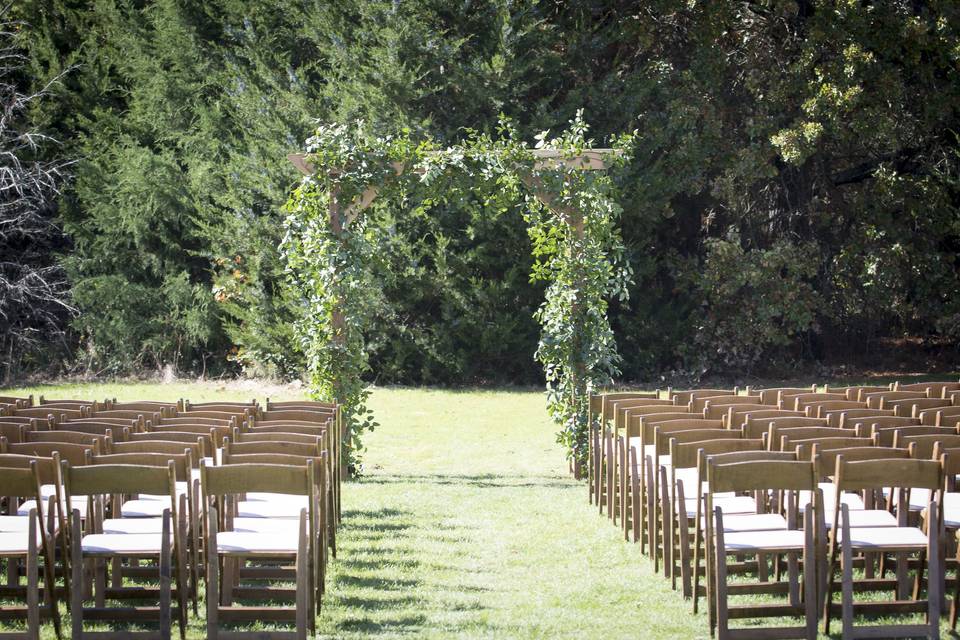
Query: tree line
[{"x": 793, "y": 193}]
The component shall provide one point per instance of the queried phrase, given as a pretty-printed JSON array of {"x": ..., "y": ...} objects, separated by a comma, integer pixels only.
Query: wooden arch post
[{"x": 341, "y": 216}]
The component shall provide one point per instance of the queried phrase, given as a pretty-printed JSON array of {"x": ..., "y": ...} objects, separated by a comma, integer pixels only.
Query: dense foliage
[
  {"x": 332, "y": 244},
  {"x": 793, "y": 194}
]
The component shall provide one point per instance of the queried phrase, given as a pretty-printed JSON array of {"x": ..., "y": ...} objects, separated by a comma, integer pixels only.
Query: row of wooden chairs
[
  {"x": 232, "y": 491},
  {"x": 633, "y": 467}
]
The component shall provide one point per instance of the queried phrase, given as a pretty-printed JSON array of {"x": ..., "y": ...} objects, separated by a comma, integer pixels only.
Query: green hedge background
[{"x": 793, "y": 197}]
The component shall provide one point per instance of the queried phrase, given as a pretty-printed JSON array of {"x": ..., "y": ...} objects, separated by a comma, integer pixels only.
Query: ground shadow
[{"x": 486, "y": 480}]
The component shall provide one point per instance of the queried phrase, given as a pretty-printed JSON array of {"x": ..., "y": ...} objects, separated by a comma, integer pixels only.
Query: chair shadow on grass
[{"x": 384, "y": 581}]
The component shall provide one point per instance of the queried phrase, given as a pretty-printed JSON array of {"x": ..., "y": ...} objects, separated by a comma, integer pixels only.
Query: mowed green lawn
[{"x": 465, "y": 524}]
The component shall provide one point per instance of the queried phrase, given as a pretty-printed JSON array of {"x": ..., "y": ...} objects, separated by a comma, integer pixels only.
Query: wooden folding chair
[
  {"x": 821, "y": 408},
  {"x": 685, "y": 397},
  {"x": 628, "y": 459},
  {"x": 719, "y": 403},
  {"x": 912, "y": 406},
  {"x": 778, "y": 437},
  {"x": 939, "y": 416},
  {"x": 25, "y": 539},
  {"x": 224, "y": 484},
  {"x": 794, "y": 541},
  {"x": 933, "y": 389},
  {"x": 755, "y": 512},
  {"x": 868, "y": 475},
  {"x": 886, "y": 436},
  {"x": 688, "y": 480},
  {"x": 95, "y": 483},
  {"x": 658, "y": 464}
]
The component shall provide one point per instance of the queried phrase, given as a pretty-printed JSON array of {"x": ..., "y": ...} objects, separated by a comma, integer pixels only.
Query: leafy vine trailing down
[{"x": 572, "y": 219}]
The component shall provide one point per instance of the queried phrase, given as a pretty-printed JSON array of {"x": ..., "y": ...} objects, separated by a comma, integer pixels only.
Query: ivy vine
[{"x": 572, "y": 218}]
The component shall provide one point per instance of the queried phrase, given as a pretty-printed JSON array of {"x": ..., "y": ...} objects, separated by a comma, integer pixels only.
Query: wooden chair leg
[
  {"x": 810, "y": 574},
  {"x": 720, "y": 582},
  {"x": 935, "y": 575},
  {"x": 636, "y": 511},
  {"x": 33, "y": 585},
  {"x": 683, "y": 525},
  {"x": 164, "y": 565},
  {"x": 847, "y": 578},
  {"x": 213, "y": 578},
  {"x": 76, "y": 608},
  {"x": 303, "y": 581},
  {"x": 666, "y": 526}
]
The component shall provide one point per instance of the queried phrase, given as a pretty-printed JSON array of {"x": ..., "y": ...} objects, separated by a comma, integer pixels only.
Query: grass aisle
[{"x": 467, "y": 524}]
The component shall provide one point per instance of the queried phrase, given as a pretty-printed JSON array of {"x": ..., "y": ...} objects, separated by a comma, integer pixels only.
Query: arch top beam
[{"x": 589, "y": 160}]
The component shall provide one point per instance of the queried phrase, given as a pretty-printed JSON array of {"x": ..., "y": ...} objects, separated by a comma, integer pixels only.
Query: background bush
[{"x": 794, "y": 193}]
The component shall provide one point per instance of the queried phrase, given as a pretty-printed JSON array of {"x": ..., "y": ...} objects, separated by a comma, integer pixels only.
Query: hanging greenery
[{"x": 572, "y": 219}]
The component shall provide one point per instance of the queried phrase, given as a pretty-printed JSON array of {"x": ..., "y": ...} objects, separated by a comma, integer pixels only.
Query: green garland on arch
[{"x": 576, "y": 244}]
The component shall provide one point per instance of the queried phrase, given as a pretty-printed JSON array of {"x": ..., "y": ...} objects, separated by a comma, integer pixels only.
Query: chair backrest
[
  {"x": 684, "y": 398},
  {"x": 213, "y": 422},
  {"x": 853, "y": 393},
  {"x": 772, "y": 396},
  {"x": 73, "y": 453},
  {"x": 819, "y": 409},
  {"x": 24, "y": 483},
  {"x": 776, "y": 433},
  {"x": 217, "y": 431},
  {"x": 939, "y": 416},
  {"x": 182, "y": 462},
  {"x": 52, "y": 414},
  {"x": 867, "y": 425},
  {"x": 738, "y": 417},
  {"x": 119, "y": 423},
  {"x": 236, "y": 415},
  {"x": 606, "y": 402},
  {"x": 910, "y": 406},
  {"x": 857, "y": 475},
  {"x": 184, "y": 437},
  {"x": 286, "y": 428},
  {"x": 804, "y": 447},
  {"x": 700, "y": 404},
  {"x": 114, "y": 479},
  {"x": 13, "y": 431},
  {"x": 933, "y": 389},
  {"x": 758, "y": 427},
  {"x": 799, "y": 401},
  {"x": 146, "y": 407},
  {"x": 663, "y": 437},
  {"x": 319, "y": 404},
  {"x": 648, "y": 429},
  {"x": 686, "y": 455},
  {"x": 90, "y": 428},
  {"x": 275, "y": 447},
  {"x": 274, "y": 436},
  {"x": 72, "y": 437},
  {"x": 242, "y": 478},
  {"x": 124, "y": 414},
  {"x": 46, "y": 467},
  {"x": 220, "y": 405},
  {"x": 622, "y": 414},
  {"x": 196, "y": 448},
  {"x": 635, "y": 424},
  {"x": 760, "y": 475},
  {"x": 923, "y": 446},
  {"x": 886, "y": 436},
  {"x": 16, "y": 401},
  {"x": 724, "y": 411},
  {"x": 878, "y": 399},
  {"x": 825, "y": 456},
  {"x": 843, "y": 418}
]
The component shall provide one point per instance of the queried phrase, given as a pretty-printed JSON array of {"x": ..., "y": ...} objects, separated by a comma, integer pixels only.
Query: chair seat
[
  {"x": 121, "y": 543},
  {"x": 263, "y": 509},
  {"x": 14, "y": 523},
  {"x": 886, "y": 538},
  {"x": 868, "y": 518},
  {"x": 951, "y": 510},
  {"x": 919, "y": 498},
  {"x": 144, "y": 508},
  {"x": 127, "y": 526},
  {"x": 265, "y": 525},
  {"x": 14, "y": 543},
  {"x": 746, "y": 541},
  {"x": 742, "y": 522},
  {"x": 729, "y": 504},
  {"x": 182, "y": 489},
  {"x": 286, "y": 498},
  {"x": 28, "y": 506},
  {"x": 272, "y": 543},
  {"x": 852, "y": 500}
]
